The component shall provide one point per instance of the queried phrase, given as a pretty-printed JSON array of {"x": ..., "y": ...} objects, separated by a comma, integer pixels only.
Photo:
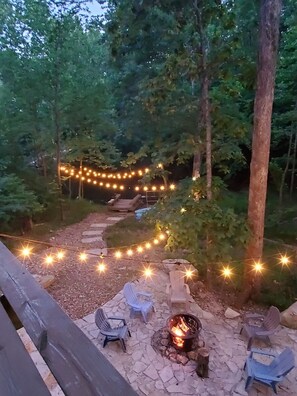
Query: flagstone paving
[
  {"x": 151, "y": 374},
  {"x": 100, "y": 225},
  {"x": 92, "y": 232}
]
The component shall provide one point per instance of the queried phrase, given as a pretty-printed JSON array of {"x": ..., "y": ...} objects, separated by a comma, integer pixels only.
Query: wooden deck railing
[{"x": 78, "y": 366}]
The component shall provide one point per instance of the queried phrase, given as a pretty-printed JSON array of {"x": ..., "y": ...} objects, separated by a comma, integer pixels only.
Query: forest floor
[{"x": 78, "y": 286}]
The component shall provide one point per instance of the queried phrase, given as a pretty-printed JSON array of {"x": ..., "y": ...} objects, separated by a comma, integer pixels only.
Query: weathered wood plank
[
  {"x": 78, "y": 366},
  {"x": 18, "y": 374}
]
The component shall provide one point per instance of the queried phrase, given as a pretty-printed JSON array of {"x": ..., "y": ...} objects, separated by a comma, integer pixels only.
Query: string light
[
  {"x": 26, "y": 251},
  {"x": 258, "y": 267},
  {"x": 284, "y": 260},
  {"x": 83, "y": 257},
  {"x": 118, "y": 254},
  {"x": 89, "y": 173},
  {"x": 139, "y": 249},
  {"x": 60, "y": 255},
  {"x": 148, "y": 245},
  {"x": 183, "y": 210},
  {"x": 49, "y": 260},
  {"x": 161, "y": 237},
  {"x": 227, "y": 272},
  {"x": 129, "y": 252},
  {"x": 156, "y": 241},
  {"x": 148, "y": 272},
  {"x": 101, "y": 267},
  {"x": 189, "y": 273}
]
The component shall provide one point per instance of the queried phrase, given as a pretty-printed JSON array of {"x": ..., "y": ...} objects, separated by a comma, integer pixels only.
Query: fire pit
[{"x": 184, "y": 329}]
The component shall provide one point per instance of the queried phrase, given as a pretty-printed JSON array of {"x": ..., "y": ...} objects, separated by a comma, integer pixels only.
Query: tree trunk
[
  {"x": 281, "y": 190},
  {"x": 196, "y": 164},
  {"x": 293, "y": 165},
  {"x": 79, "y": 180},
  {"x": 268, "y": 45},
  {"x": 205, "y": 104}
]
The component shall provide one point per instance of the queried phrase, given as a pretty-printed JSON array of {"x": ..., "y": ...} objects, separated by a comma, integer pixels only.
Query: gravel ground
[{"x": 78, "y": 287}]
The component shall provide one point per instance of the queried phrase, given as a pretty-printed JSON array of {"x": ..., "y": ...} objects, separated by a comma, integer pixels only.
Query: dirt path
[{"x": 78, "y": 287}]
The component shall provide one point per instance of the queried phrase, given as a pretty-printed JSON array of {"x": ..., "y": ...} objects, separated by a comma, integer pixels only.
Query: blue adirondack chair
[
  {"x": 135, "y": 303},
  {"x": 272, "y": 373}
]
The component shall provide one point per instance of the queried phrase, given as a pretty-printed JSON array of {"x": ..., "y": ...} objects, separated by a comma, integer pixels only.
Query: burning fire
[{"x": 180, "y": 330}]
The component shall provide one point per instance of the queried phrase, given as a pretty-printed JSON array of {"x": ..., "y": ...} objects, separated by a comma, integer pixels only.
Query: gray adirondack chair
[
  {"x": 118, "y": 333},
  {"x": 267, "y": 325},
  {"x": 135, "y": 303},
  {"x": 178, "y": 291},
  {"x": 268, "y": 374}
]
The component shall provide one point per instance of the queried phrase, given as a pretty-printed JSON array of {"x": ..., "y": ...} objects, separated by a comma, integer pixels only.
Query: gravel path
[{"x": 78, "y": 287}]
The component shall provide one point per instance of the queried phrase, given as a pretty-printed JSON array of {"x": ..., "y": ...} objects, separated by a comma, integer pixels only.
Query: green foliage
[
  {"x": 15, "y": 200},
  {"x": 207, "y": 229}
]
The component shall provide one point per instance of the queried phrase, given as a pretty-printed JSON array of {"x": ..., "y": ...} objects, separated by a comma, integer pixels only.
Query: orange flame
[{"x": 180, "y": 329}]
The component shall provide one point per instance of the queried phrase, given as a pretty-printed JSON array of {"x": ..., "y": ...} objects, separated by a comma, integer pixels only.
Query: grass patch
[
  {"x": 74, "y": 212},
  {"x": 128, "y": 232}
]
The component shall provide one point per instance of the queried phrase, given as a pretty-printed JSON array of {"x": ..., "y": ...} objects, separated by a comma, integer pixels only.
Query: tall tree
[{"x": 267, "y": 56}]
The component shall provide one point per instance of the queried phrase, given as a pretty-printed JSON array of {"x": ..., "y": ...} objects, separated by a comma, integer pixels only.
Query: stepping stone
[
  {"x": 115, "y": 218},
  {"x": 91, "y": 240},
  {"x": 100, "y": 225},
  {"x": 102, "y": 251},
  {"x": 97, "y": 232}
]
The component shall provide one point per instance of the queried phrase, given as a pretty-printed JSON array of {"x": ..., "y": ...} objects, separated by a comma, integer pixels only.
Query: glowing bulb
[
  {"x": 129, "y": 252},
  {"x": 136, "y": 188},
  {"x": 258, "y": 267},
  {"x": 189, "y": 273},
  {"x": 140, "y": 173},
  {"x": 156, "y": 241},
  {"x": 183, "y": 210},
  {"x": 83, "y": 257},
  {"x": 122, "y": 187},
  {"x": 284, "y": 260},
  {"x": 154, "y": 188},
  {"x": 118, "y": 254},
  {"x": 60, "y": 255},
  {"x": 132, "y": 173},
  {"x": 148, "y": 272},
  {"x": 146, "y": 170},
  {"x": 49, "y": 260},
  {"x": 162, "y": 188},
  {"x": 160, "y": 165},
  {"x": 85, "y": 169},
  {"x": 66, "y": 171},
  {"x": 115, "y": 186},
  {"x": 101, "y": 184},
  {"x": 101, "y": 267},
  {"x": 77, "y": 176},
  {"x": 145, "y": 188},
  {"x": 26, "y": 251},
  {"x": 140, "y": 249},
  {"x": 148, "y": 245},
  {"x": 107, "y": 185},
  {"x": 83, "y": 178},
  {"x": 227, "y": 272},
  {"x": 89, "y": 180},
  {"x": 103, "y": 175},
  {"x": 161, "y": 237},
  {"x": 172, "y": 186},
  {"x": 94, "y": 182},
  {"x": 194, "y": 178}
]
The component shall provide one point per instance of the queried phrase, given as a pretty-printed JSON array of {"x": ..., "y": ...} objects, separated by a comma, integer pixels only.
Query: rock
[
  {"x": 231, "y": 314},
  {"x": 92, "y": 240},
  {"x": 166, "y": 374},
  {"x": 182, "y": 359},
  {"x": 192, "y": 355},
  {"x": 93, "y": 233},
  {"x": 289, "y": 316},
  {"x": 45, "y": 280},
  {"x": 176, "y": 264}
]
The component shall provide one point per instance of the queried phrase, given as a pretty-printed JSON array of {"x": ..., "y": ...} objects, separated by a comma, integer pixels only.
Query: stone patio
[{"x": 151, "y": 374}]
